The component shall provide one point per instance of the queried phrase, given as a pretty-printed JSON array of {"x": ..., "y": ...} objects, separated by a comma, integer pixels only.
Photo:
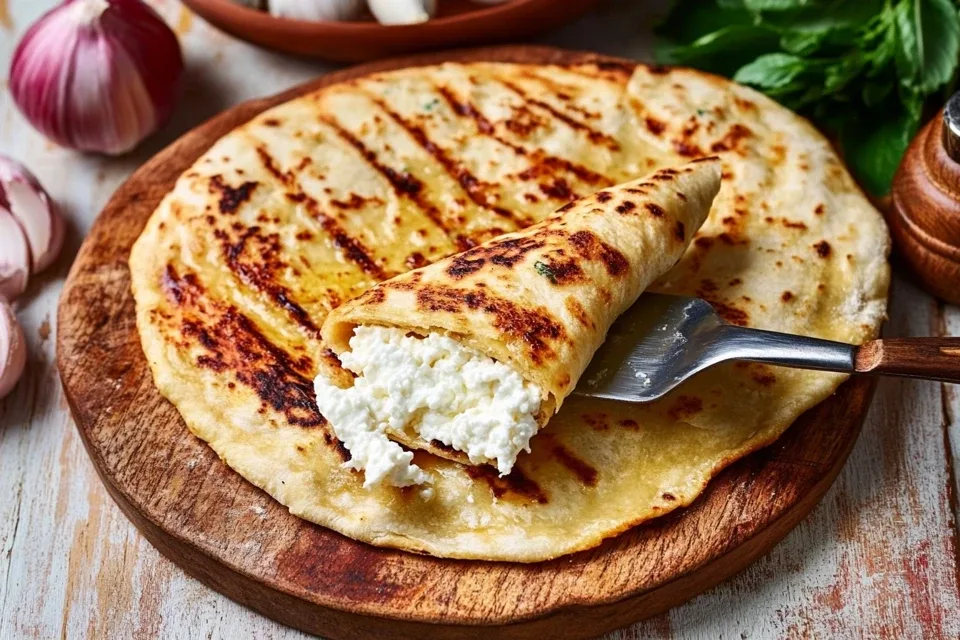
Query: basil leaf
[
  {"x": 840, "y": 74},
  {"x": 802, "y": 43},
  {"x": 775, "y": 5},
  {"x": 738, "y": 45},
  {"x": 771, "y": 71},
  {"x": 873, "y": 149},
  {"x": 693, "y": 19},
  {"x": 929, "y": 38}
]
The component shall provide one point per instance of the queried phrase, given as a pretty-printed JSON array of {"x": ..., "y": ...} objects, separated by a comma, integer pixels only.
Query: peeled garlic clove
[
  {"x": 402, "y": 11},
  {"x": 13, "y": 349},
  {"x": 317, "y": 10},
  {"x": 97, "y": 75},
  {"x": 22, "y": 195},
  {"x": 14, "y": 257}
]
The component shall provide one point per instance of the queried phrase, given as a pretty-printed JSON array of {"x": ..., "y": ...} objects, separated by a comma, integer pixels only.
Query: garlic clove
[
  {"x": 13, "y": 349},
  {"x": 317, "y": 10},
  {"x": 397, "y": 12},
  {"x": 14, "y": 257},
  {"x": 22, "y": 195}
]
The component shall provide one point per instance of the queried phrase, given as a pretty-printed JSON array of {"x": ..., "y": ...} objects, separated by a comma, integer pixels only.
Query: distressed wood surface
[{"x": 877, "y": 557}]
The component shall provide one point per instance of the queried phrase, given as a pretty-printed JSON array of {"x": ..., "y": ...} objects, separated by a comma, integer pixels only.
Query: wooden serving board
[{"x": 236, "y": 539}]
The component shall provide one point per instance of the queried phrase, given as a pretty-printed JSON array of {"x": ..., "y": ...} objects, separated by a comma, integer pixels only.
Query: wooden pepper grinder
[{"x": 925, "y": 216}]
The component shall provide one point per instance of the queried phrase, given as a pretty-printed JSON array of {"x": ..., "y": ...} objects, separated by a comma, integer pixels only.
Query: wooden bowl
[{"x": 458, "y": 23}]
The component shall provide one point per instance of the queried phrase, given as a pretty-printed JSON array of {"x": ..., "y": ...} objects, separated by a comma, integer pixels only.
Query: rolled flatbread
[{"x": 538, "y": 302}]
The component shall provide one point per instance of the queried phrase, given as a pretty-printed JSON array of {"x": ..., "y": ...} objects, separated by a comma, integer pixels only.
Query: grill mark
[
  {"x": 584, "y": 472},
  {"x": 516, "y": 482},
  {"x": 270, "y": 165},
  {"x": 470, "y": 184},
  {"x": 231, "y": 197},
  {"x": 597, "y": 137},
  {"x": 404, "y": 184},
  {"x": 468, "y": 110},
  {"x": 352, "y": 248},
  {"x": 180, "y": 291},
  {"x": 260, "y": 277},
  {"x": 533, "y": 325},
  {"x": 282, "y": 386},
  {"x": 233, "y": 342}
]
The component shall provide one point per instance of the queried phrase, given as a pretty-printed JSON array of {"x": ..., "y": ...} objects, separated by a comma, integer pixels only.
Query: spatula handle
[{"x": 927, "y": 358}]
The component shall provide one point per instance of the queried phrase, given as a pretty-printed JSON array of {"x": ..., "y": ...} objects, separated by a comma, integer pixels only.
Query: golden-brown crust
[{"x": 312, "y": 182}]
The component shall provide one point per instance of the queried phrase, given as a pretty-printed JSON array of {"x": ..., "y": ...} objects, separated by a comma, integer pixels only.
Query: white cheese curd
[{"x": 443, "y": 389}]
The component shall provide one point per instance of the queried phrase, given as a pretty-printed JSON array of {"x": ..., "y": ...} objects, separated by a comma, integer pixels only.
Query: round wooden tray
[
  {"x": 458, "y": 23},
  {"x": 236, "y": 539}
]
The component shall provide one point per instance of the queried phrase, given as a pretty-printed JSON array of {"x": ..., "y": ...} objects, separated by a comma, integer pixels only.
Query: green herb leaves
[
  {"x": 929, "y": 42},
  {"x": 861, "y": 69},
  {"x": 544, "y": 269}
]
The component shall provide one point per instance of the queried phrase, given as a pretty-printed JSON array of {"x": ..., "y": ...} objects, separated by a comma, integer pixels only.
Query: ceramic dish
[{"x": 459, "y": 23}]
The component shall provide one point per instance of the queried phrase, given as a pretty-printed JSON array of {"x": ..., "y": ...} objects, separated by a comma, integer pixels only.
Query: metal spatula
[{"x": 663, "y": 340}]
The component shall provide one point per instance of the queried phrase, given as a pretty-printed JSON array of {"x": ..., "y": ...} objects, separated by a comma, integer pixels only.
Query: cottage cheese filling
[{"x": 443, "y": 389}]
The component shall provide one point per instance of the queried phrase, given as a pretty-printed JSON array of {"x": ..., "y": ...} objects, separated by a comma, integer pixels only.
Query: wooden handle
[{"x": 928, "y": 358}]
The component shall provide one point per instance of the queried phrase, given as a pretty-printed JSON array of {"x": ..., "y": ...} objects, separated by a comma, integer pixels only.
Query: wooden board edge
[{"x": 561, "y": 623}]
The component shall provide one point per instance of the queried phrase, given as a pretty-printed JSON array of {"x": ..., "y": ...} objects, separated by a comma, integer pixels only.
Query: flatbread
[
  {"x": 311, "y": 203},
  {"x": 542, "y": 299}
]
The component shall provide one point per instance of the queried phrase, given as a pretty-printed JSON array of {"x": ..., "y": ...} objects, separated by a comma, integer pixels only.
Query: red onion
[{"x": 97, "y": 75}]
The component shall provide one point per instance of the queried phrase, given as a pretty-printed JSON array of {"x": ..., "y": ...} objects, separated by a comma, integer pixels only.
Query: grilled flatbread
[
  {"x": 313, "y": 202},
  {"x": 541, "y": 300}
]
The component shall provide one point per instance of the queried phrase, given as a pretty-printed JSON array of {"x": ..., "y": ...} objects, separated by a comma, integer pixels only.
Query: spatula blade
[{"x": 651, "y": 349}]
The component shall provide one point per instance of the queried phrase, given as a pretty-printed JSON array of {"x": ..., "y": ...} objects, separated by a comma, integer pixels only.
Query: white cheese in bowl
[{"x": 441, "y": 388}]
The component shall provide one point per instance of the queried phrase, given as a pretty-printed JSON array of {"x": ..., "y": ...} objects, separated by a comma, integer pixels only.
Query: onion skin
[
  {"x": 22, "y": 195},
  {"x": 97, "y": 75},
  {"x": 13, "y": 349}
]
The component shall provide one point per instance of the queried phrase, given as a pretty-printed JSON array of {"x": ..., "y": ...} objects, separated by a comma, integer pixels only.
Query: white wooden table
[{"x": 878, "y": 557}]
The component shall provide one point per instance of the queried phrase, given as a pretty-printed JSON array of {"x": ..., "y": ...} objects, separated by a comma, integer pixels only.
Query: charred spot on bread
[
  {"x": 585, "y": 473},
  {"x": 588, "y": 245},
  {"x": 516, "y": 485},
  {"x": 231, "y": 197},
  {"x": 534, "y": 326},
  {"x": 655, "y": 210},
  {"x": 685, "y": 407}
]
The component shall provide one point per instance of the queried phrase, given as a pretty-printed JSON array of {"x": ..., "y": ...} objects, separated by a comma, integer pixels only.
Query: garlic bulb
[
  {"x": 13, "y": 349},
  {"x": 14, "y": 257},
  {"x": 23, "y": 197},
  {"x": 317, "y": 10},
  {"x": 402, "y": 11},
  {"x": 97, "y": 75}
]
